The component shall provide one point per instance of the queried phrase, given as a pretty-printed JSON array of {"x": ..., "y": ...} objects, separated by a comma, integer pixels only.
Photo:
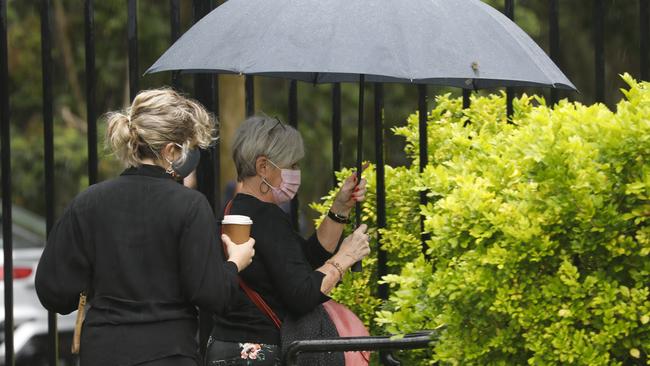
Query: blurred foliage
[
  {"x": 25, "y": 87},
  {"x": 539, "y": 239}
]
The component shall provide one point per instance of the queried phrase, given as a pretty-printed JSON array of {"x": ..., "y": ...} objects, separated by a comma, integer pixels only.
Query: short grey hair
[{"x": 265, "y": 136}]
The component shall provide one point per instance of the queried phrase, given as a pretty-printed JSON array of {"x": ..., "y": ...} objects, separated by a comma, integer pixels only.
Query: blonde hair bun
[{"x": 156, "y": 118}]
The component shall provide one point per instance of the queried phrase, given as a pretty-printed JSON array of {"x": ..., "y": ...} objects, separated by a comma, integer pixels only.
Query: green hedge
[{"x": 539, "y": 234}]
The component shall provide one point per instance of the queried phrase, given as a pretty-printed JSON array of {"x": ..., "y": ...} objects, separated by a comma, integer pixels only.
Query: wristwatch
[{"x": 338, "y": 218}]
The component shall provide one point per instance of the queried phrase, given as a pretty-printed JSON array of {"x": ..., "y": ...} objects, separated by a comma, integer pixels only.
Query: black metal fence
[{"x": 205, "y": 90}]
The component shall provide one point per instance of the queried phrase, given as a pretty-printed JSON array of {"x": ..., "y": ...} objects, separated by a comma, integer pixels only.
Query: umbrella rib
[{"x": 533, "y": 58}]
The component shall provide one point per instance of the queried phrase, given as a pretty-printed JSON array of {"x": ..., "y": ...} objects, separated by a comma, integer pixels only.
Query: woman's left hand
[{"x": 350, "y": 193}]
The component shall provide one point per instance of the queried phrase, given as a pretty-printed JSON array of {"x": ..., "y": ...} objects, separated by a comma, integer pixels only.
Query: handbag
[{"x": 328, "y": 320}]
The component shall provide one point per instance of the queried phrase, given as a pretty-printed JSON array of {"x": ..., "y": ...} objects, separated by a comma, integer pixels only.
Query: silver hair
[{"x": 265, "y": 136}]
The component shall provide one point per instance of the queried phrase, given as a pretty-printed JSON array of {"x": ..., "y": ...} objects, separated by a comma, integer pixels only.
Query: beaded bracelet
[{"x": 338, "y": 268}]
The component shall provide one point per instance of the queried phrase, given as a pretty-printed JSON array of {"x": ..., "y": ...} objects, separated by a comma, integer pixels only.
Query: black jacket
[
  {"x": 148, "y": 250},
  {"x": 282, "y": 272}
]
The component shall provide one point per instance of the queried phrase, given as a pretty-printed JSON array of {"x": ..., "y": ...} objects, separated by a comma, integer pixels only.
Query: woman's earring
[
  {"x": 264, "y": 184},
  {"x": 171, "y": 171}
]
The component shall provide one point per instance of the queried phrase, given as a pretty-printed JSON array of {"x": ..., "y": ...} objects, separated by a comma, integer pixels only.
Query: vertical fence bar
[
  {"x": 132, "y": 34},
  {"x": 249, "y": 88},
  {"x": 554, "y": 40},
  {"x": 382, "y": 259},
  {"x": 599, "y": 48},
  {"x": 358, "y": 209},
  {"x": 48, "y": 139},
  {"x": 48, "y": 114},
  {"x": 293, "y": 121},
  {"x": 175, "y": 26},
  {"x": 91, "y": 85},
  {"x": 467, "y": 93},
  {"x": 644, "y": 33},
  {"x": 466, "y": 101},
  {"x": 336, "y": 130},
  {"x": 207, "y": 174},
  {"x": 510, "y": 92},
  {"x": 7, "y": 237},
  {"x": 205, "y": 91},
  {"x": 424, "y": 155}
]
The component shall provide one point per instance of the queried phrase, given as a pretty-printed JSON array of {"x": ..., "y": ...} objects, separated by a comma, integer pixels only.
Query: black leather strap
[{"x": 338, "y": 218}]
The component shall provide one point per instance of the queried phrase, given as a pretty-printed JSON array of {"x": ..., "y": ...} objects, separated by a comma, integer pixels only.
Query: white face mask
[{"x": 288, "y": 187}]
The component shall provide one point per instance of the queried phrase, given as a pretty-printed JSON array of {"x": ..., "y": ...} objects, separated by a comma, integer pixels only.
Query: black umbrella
[{"x": 459, "y": 43}]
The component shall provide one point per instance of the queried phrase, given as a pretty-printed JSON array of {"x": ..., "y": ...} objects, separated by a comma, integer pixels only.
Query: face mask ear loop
[
  {"x": 265, "y": 183},
  {"x": 184, "y": 151},
  {"x": 272, "y": 163}
]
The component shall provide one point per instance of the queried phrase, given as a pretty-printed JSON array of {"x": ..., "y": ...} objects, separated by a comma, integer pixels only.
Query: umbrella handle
[
  {"x": 357, "y": 266},
  {"x": 362, "y": 78}
]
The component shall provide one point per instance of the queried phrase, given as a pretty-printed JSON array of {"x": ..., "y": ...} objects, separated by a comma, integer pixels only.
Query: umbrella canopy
[{"x": 460, "y": 43}]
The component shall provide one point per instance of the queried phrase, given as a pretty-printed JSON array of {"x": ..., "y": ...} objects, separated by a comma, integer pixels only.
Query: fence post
[
  {"x": 382, "y": 267},
  {"x": 466, "y": 101},
  {"x": 132, "y": 35},
  {"x": 293, "y": 121},
  {"x": 510, "y": 92},
  {"x": 206, "y": 92},
  {"x": 599, "y": 48},
  {"x": 48, "y": 139},
  {"x": 358, "y": 211},
  {"x": 424, "y": 154},
  {"x": 644, "y": 31},
  {"x": 207, "y": 174},
  {"x": 175, "y": 27},
  {"x": 554, "y": 40},
  {"x": 91, "y": 86},
  {"x": 336, "y": 130},
  {"x": 5, "y": 157},
  {"x": 249, "y": 90}
]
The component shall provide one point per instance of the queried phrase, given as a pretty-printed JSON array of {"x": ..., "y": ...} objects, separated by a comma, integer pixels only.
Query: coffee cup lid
[{"x": 237, "y": 220}]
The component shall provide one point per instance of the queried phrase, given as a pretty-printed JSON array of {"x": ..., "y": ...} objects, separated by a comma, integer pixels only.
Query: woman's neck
[
  {"x": 150, "y": 161},
  {"x": 253, "y": 186}
]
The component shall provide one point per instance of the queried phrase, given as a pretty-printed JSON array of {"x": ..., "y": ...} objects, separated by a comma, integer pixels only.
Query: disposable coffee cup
[{"x": 237, "y": 227}]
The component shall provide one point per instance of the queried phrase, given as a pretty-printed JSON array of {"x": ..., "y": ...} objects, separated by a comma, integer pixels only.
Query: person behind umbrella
[
  {"x": 291, "y": 274},
  {"x": 144, "y": 247}
]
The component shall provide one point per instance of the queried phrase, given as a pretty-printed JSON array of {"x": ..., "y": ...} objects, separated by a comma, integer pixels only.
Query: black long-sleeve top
[
  {"x": 148, "y": 250},
  {"x": 282, "y": 272}
]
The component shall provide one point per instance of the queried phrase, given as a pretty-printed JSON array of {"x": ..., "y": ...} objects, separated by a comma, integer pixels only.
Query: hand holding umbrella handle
[
  {"x": 351, "y": 193},
  {"x": 357, "y": 217},
  {"x": 362, "y": 78}
]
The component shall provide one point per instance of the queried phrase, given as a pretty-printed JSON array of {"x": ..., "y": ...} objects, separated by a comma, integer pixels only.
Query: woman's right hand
[
  {"x": 240, "y": 254},
  {"x": 355, "y": 246}
]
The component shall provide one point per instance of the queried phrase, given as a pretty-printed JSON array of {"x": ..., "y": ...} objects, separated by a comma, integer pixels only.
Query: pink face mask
[{"x": 288, "y": 187}]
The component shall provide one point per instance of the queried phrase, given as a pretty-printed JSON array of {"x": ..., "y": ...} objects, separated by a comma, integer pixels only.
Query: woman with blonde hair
[{"x": 142, "y": 246}]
